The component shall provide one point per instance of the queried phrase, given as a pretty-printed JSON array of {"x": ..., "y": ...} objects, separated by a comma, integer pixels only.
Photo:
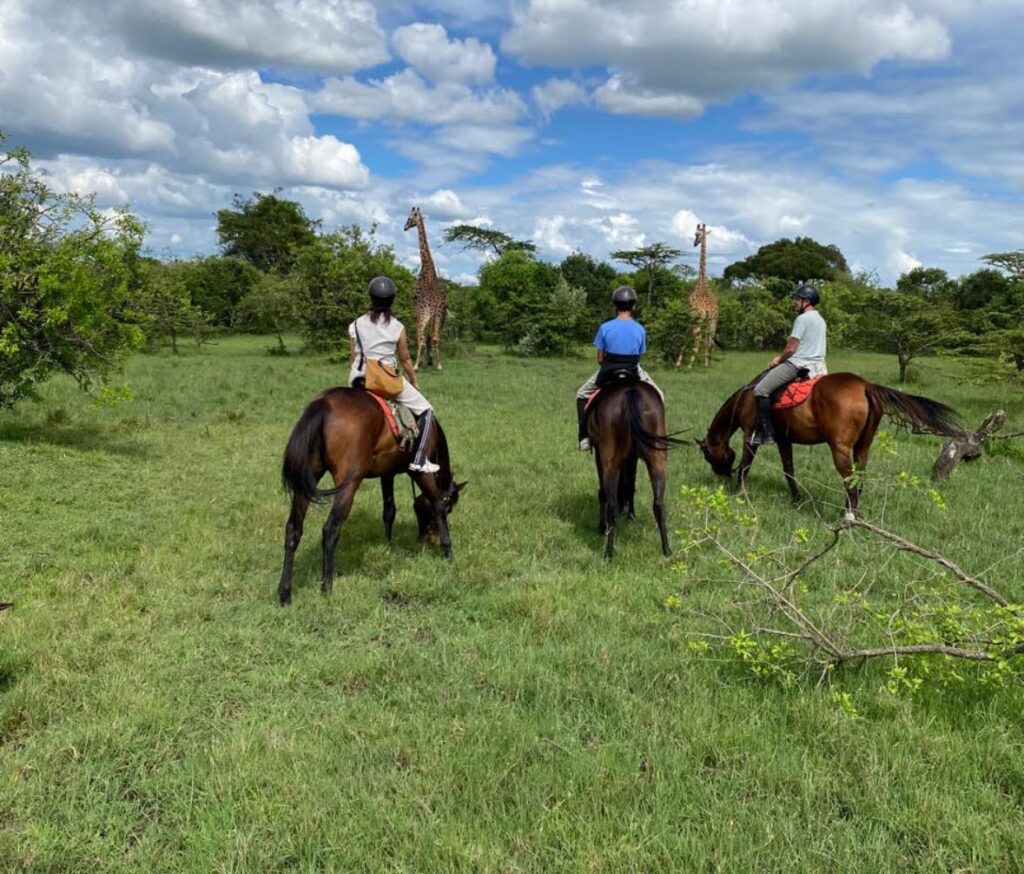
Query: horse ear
[
  {"x": 460, "y": 486},
  {"x": 702, "y": 443}
]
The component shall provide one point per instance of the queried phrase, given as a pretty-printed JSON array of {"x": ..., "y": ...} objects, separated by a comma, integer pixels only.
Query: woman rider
[{"x": 378, "y": 334}]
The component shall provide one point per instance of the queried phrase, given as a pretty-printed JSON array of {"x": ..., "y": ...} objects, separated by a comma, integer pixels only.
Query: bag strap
[{"x": 362, "y": 354}]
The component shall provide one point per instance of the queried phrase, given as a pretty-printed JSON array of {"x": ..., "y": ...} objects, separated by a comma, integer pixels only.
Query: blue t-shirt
[{"x": 621, "y": 337}]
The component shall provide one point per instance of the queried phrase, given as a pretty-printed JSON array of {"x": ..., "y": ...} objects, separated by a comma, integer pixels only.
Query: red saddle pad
[
  {"x": 386, "y": 409},
  {"x": 795, "y": 394}
]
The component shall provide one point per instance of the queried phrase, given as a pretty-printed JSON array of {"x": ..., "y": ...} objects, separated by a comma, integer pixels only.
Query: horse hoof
[{"x": 284, "y": 600}]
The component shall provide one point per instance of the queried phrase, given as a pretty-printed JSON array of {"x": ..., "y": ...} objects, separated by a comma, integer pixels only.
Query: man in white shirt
[{"x": 805, "y": 350}]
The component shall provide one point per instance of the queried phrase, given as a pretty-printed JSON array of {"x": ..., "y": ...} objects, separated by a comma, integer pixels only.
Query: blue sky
[{"x": 889, "y": 129}]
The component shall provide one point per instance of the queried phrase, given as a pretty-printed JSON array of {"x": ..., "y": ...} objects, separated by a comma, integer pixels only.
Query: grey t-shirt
[{"x": 809, "y": 328}]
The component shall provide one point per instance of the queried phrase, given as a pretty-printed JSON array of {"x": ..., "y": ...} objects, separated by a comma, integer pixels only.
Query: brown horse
[
  {"x": 626, "y": 423},
  {"x": 843, "y": 411},
  {"x": 343, "y": 431}
]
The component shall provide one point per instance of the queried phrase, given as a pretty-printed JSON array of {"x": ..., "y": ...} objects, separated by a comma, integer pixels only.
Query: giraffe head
[
  {"x": 699, "y": 236},
  {"x": 414, "y": 218}
]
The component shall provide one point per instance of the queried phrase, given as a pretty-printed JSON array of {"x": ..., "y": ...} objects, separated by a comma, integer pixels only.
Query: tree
[
  {"x": 272, "y": 307},
  {"x": 67, "y": 272},
  {"x": 265, "y": 230},
  {"x": 649, "y": 258},
  {"x": 164, "y": 305},
  {"x": 524, "y": 300},
  {"x": 790, "y": 260},
  {"x": 217, "y": 285},
  {"x": 906, "y": 324},
  {"x": 596, "y": 278},
  {"x": 1009, "y": 262},
  {"x": 332, "y": 275},
  {"x": 486, "y": 239}
]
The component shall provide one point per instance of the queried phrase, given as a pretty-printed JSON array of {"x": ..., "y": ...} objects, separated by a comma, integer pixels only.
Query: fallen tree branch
[{"x": 967, "y": 446}]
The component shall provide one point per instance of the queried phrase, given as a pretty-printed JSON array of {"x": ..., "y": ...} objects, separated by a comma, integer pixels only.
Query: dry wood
[{"x": 966, "y": 446}]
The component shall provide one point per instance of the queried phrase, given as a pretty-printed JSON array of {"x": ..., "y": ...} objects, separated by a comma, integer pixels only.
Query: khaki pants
[
  {"x": 775, "y": 378},
  {"x": 410, "y": 397},
  {"x": 590, "y": 386}
]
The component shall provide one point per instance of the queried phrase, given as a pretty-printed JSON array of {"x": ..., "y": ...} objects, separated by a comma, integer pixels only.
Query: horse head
[
  {"x": 426, "y": 517},
  {"x": 719, "y": 455}
]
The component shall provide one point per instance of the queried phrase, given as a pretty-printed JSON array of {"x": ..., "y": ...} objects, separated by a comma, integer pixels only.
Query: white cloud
[
  {"x": 445, "y": 205},
  {"x": 669, "y": 57},
  {"x": 427, "y": 48},
  {"x": 332, "y": 35},
  {"x": 405, "y": 97},
  {"x": 323, "y": 161},
  {"x": 622, "y": 98},
  {"x": 556, "y": 94}
]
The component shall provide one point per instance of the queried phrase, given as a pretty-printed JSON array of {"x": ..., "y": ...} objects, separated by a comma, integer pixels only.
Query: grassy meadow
[{"x": 525, "y": 708}]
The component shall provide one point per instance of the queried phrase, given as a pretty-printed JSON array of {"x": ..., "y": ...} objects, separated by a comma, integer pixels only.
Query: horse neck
[{"x": 726, "y": 420}]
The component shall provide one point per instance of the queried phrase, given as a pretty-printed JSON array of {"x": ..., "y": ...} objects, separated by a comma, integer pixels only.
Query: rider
[
  {"x": 381, "y": 335},
  {"x": 805, "y": 350},
  {"x": 621, "y": 341}
]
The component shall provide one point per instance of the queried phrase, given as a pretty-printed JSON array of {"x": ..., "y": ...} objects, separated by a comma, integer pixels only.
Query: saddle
[
  {"x": 612, "y": 374},
  {"x": 794, "y": 393},
  {"x": 401, "y": 422}
]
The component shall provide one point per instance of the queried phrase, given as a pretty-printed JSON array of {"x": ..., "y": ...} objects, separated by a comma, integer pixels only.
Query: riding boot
[
  {"x": 420, "y": 462},
  {"x": 765, "y": 431},
  {"x": 581, "y": 418}
]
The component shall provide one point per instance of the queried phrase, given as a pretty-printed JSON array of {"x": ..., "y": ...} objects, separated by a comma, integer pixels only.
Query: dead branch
[
  {"x": 967, "y": 446},
  {"x": 907, "y": 546}
]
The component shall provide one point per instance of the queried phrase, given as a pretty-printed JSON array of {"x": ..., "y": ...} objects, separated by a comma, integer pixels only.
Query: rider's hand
[{"x": 775, "y": 361}]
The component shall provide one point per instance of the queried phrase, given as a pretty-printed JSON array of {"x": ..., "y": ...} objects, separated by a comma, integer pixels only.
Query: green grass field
[{"x": 527, "y": 707}]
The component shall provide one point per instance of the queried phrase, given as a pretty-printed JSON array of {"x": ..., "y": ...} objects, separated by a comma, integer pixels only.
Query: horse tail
[
  {"x": 638, "y": 431},
  {"x": 306, "y": 439},
  {"x": 922, "y": 415}
]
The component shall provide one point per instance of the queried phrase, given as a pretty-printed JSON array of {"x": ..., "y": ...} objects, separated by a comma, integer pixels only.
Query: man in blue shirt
[{"x": 619, "y": 341}]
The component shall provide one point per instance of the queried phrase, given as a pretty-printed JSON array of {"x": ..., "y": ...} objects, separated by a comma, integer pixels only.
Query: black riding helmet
[
  {"x": 809, "y": 293},
  {"x": 381, "y": 288},
  {"x": 623, "y": 294}
]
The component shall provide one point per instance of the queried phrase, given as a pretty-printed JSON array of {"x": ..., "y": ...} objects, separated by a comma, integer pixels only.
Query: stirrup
[
  {"x": 584, "y": 445},
  {"x": 761, "y": 438},
  {"x": 425, "y": 467}
]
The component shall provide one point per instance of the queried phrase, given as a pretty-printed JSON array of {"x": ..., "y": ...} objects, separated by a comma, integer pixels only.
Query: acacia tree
[
  {"x": 649, "y": 259},
  {"x": 486, "y": 240},
  {"x": 791, "y": 261},
  {"x": 67, "y": 276}
]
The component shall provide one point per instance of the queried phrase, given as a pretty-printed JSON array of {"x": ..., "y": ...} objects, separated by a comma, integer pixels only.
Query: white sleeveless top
[{"x": 379, "y": 341}]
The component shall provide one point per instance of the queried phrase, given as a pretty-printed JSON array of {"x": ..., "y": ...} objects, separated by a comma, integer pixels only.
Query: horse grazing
[
  {"x": 344, "y": 432},
  {"x": 626, "y": 423},
  {"x": 843, "y": 410}
]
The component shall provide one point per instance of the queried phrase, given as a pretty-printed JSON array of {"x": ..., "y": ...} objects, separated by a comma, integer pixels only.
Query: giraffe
[
  {"x": 703, "y": 306},
  {"x": 428, "y": 298}
]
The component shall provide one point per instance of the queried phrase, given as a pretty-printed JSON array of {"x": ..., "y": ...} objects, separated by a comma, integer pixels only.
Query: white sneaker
[
  {"x": 426, "y": 467},
  {"x": 584, "y": 445}
]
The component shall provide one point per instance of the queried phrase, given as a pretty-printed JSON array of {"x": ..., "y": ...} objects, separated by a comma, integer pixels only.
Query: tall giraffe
[
  {"x": 703, "y": 306},
  {"x": 428, "y": 298}
]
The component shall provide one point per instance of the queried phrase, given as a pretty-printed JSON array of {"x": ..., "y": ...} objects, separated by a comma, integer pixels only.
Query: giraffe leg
[
  {"x": 696, "y": 342},
  {"x": 435, "y": 334},
  {"x": 422, "y": 321}
]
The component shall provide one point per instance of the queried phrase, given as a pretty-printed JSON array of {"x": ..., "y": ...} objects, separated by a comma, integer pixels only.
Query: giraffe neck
[
  {"x": 702, "y": 277},
  {"x": 426, "y": 262}
]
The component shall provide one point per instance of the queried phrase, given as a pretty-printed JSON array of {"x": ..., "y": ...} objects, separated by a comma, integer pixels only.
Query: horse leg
[
  {"x": 602, "y": 496},
  {"x": 842, "y": 458},
  {"x": 747, "y": 459},
  {"x": 387, "y": 491},
  {"x": 628, "y": 486},
  {"x": 656, "y": 471},
  {"x": 332, "y": 528},
  {"x": 786, "y": 454},
  {"x": 292, "y": 536},
  {"x": 611, "y": 508}
]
